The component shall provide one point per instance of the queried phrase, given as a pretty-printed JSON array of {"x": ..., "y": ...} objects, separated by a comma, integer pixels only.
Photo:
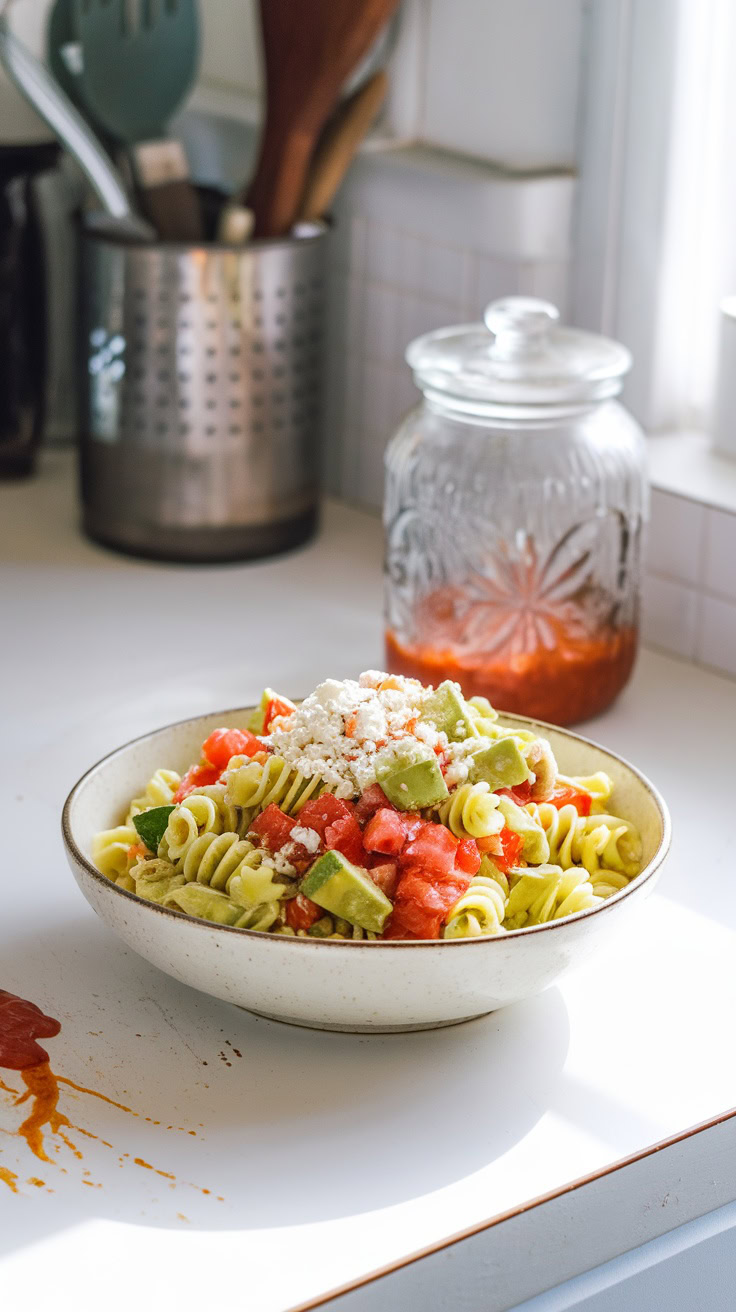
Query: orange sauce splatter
[
  {"x": 9, "y": 1178},
  {"x": 166, "y": 1174},
  {"x": 21, "y": 1024},
  {"x": 42, "y": 1088}
]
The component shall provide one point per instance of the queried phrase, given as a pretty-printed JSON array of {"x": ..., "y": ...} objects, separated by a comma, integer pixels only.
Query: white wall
[{"x": 496, "y": 79}]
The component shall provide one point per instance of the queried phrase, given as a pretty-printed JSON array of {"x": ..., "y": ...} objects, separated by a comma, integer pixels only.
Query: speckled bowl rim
[{"x": 523, "y": 721}]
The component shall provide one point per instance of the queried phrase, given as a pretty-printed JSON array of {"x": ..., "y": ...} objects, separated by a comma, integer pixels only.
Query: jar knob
[{"x": 520, "y": 325}]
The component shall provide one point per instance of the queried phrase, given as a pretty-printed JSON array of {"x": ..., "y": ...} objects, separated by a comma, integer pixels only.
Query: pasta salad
[{"x": 376, "y": 809}]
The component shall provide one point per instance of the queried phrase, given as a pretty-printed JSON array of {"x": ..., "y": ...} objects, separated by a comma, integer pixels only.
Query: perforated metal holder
[{"x": 200, "y": 375}]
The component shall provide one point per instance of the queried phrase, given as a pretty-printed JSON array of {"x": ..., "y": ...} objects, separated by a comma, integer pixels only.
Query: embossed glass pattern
[{"x": 513, "y": 534}]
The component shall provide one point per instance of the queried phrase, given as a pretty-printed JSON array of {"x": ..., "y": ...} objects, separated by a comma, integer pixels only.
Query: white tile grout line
[{"x": 698, "y": 587}]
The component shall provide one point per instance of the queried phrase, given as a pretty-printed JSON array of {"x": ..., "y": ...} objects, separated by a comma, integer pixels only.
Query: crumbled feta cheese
[
  {"x": 346, "y": 732},
  {"x": 279, "y": 861},
  {"x": 308, "y": 838},
  {"x": 456, "y": 773}
]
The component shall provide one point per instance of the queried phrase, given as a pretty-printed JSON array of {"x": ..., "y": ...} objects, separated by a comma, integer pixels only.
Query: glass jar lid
[{"x": 519, "y": 356}]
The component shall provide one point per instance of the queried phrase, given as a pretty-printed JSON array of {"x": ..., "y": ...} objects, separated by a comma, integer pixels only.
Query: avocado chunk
[
  {"x": 501, "y": 765},
  {"x": 535, "y": 847},
  {"x": 414, "y": 785},
  {"x": 447, "y": 711},
  {"x": 336, "y": 884}
]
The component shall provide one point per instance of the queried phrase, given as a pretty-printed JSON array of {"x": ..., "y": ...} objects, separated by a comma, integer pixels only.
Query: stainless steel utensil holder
[{"x": 200, "y": 374}]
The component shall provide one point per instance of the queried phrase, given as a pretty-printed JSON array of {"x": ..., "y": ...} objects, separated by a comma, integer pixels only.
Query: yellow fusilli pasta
[
  {"x": 472, "y": 811},
  {"x": 255, "y": 785},
  {"x": 545, "y": 893},
  {"x": 196, "y": 815},
  {"x": 482, "y": 908},
  {"x": 110, "y": 851},
  {"x": 595, "y": 841},
  {"x": 159, "y": 791}
]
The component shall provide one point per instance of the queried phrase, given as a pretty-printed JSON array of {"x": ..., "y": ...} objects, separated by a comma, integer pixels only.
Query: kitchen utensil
[
  {"x": 364, "y": 985},
  {"x": 236, "y": 224},
  {"x": 23, "y": 307},
  {"x": 40, "y": 89},
  {"x": 338, "y": 143},
  {"x": 516, "y": 496},
  {"x": 200, "y": 379},
  {"x": 64, "y": 53},
  {"x": 309, "y": 49},
  {"x": 132, "y": 82}
]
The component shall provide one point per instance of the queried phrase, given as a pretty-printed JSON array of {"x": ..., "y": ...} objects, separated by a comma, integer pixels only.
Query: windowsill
[{"x": 686, "y": 465}]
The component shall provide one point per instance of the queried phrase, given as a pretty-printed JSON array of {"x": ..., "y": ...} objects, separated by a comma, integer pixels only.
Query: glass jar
[{"x": 516, "y": 496}]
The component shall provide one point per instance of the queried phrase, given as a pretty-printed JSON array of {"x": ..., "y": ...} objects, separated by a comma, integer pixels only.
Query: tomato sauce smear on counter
[{"x": 573, "y": 680}]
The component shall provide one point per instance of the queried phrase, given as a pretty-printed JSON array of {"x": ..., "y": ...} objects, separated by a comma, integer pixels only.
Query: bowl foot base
[{"x": 378, "y": 1028}]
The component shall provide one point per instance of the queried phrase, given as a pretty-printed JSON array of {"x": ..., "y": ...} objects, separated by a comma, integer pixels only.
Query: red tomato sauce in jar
[{"x": 572, "y": 680}]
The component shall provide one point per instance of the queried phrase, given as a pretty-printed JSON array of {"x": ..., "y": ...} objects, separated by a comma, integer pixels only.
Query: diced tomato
[
  {"x": 413, "y": 824},
  {"x": 467, "y": 857},
  {"x": 319, "y": 812},
  {"x": 223, "y": 744},
  {"x": 276, "y": 706},
  {"x": 432, "y": 850},
  {"x": 565, "y": 795},
  {"x": 410, "y": 920},
  {"x": 346, "y": 836},
  {"x": 396, "y": 929},
  {"x": 386, "y": 875},
  {"x": 135, "y": 851},
  {"x": 197, "y": 776},
  {"x": 301, "y": 912},
  {"x": 505, "y": 848},
  {"x": 385, "y": 832},
  {"x": 373, "y": 799},
  {"x": 274, "y": 827},
  {"x": 521, "y": 793}
]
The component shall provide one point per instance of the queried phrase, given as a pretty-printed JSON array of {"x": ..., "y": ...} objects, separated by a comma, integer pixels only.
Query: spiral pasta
[
  {"x": 110, "y": 851},
  {"x": 599, "y": 785},
  {"x": 154, "y": 878},
  {"x": 524, "y": 822},
  {"x": 471, "y": 811},
  {"x": 196, "y": 815},
  {"x": 256, "y": 785},
  {"x": 547, "y": 892},
  {"x": 159, "y": 791},
  {"x": 232, "y": 865},
  {"x": 593, "y": 841},
  {"x": 482, "y": 908},
  {"x": 231, "y": 817}
]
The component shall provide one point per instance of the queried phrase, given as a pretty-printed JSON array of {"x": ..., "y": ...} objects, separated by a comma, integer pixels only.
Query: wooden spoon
[
  {"x": 338, "y": 143},
  {"x": 309, "y": 49}
]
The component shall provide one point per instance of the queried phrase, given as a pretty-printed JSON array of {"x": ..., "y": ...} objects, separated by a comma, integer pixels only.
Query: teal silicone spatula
[{"x": 132, "y": 79}]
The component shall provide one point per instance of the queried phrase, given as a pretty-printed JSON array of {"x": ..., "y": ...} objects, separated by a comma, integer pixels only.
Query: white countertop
[{"x": 326, "y": 1155}]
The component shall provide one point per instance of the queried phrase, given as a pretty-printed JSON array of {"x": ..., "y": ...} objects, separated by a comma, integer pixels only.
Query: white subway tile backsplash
[
  {"x": 717, "y": 637},
  {"x": 489, "y": 279},
  {"x": 675, "y": 544},
  {"x": 549, "y": 280},
  {"x": 382, "y": 336},
  {"x": 419, "y": 314},
  {"x": 720, "y": 553},
  {"x": 669, "y": 615},
  {"x": 435, "y": 270}
]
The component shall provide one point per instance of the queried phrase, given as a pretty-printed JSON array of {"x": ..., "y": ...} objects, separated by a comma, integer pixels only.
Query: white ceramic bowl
[{"x": 328, "y": 983}]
